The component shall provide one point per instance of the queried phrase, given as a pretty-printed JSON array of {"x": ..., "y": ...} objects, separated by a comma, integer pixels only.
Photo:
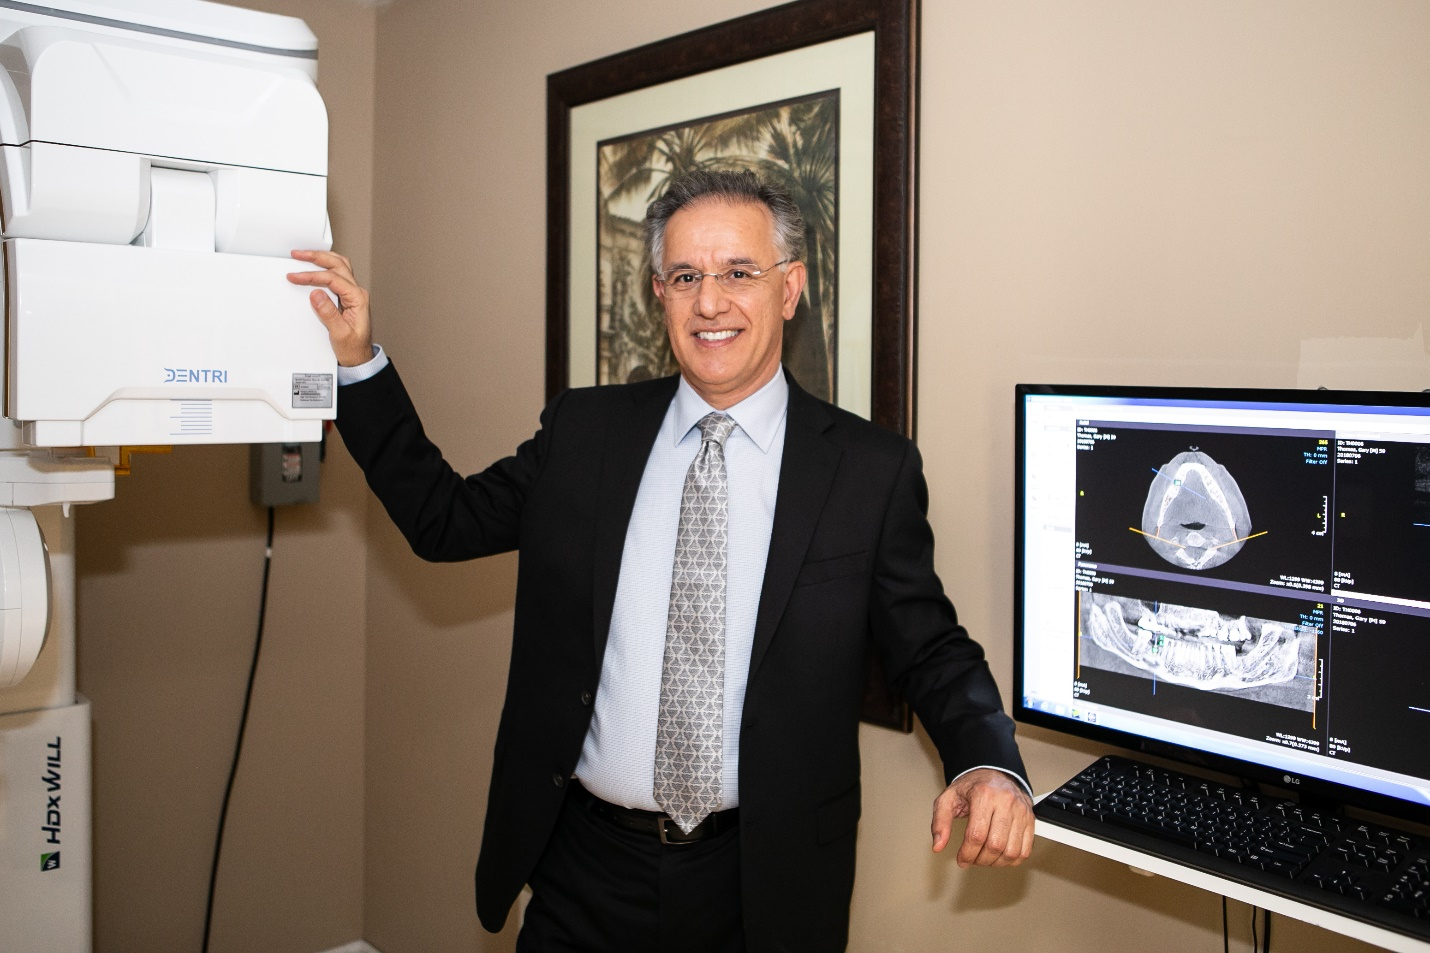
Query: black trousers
[{"x": 600, "y": 888}]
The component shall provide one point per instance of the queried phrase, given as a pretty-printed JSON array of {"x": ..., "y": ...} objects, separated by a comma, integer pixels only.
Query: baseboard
[{"x": 356, "y": 946}]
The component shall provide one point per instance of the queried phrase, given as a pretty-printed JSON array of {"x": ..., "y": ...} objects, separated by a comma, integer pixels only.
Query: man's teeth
[{"x": 715, "y": 335}]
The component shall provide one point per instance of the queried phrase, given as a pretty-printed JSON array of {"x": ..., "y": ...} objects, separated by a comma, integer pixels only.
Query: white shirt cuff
[
  {"x": 361, "y": 372},
  {"x": 1021, "y": 783}
]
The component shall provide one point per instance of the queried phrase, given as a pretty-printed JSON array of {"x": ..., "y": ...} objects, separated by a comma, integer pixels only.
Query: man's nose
[{"x": 712, "y": 298}]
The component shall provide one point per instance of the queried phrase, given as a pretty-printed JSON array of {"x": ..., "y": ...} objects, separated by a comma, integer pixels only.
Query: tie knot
[{"x": 716, "y": 427}]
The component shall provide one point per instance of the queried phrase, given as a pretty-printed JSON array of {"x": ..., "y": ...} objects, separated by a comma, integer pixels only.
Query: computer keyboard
[{"x": 1367, "y": 871}]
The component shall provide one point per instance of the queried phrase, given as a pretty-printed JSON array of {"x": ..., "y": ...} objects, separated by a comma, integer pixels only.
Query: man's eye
[
  {"x": 738, "y": 274},
  {"x": 683, "y": 277}
]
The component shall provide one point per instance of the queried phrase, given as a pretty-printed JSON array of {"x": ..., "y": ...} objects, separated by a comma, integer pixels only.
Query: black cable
[
  {"x": 1225, "y": 933},
  {"x": 1255, "y": 944},
  {"x": 242, "y": 727},
  {"x": 1265, "y": 931}
]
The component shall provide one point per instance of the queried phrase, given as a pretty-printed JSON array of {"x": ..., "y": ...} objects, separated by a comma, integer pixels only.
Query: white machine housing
[
  {"x": 24, "y": 593},
  {"x": 159, "y": 159},
  {"x": 45, "y": 884}
]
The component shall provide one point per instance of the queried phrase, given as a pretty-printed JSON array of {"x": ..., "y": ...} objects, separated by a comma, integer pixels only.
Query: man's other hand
[
  {"x": 1000, "y": 819},
  {"x": 348, "y": 322}
]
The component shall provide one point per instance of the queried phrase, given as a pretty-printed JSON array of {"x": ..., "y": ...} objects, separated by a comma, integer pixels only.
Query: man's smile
[{"x": 717, "y": 336}]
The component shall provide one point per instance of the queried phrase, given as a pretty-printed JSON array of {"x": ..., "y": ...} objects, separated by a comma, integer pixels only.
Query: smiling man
[
  {"x": 726, "y": 333},
  {"x": 705, "y": 560}
]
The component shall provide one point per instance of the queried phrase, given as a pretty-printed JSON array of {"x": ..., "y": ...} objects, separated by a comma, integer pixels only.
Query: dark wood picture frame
[{"x": 781, "y": 29}]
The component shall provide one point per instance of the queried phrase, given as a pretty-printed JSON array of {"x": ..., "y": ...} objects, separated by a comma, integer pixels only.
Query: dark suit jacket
[{"x": 850, "y": 560}]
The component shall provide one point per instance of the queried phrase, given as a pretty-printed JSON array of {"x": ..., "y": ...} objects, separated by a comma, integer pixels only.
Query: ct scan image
[
  {"x": 1260, "y": 659},
  {"x": 1241, "y": 507},
  {"x": 1195, "y": 516}
]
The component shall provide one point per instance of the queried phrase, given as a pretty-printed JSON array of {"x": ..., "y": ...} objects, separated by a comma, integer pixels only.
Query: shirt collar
[{"x": 758, "y": 415}]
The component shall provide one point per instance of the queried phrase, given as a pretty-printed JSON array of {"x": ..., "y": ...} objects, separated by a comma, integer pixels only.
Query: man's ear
[{"x": 795, "y": 276}]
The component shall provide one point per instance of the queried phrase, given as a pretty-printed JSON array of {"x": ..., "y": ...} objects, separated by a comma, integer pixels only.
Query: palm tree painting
[{"x": 794, "y": 144}]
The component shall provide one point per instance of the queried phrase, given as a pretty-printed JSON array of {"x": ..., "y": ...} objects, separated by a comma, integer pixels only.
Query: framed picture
[{"x": 819, "y": 96}]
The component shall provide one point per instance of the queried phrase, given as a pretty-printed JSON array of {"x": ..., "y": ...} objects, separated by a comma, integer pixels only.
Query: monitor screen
[{"x": 1233, "y": 578}]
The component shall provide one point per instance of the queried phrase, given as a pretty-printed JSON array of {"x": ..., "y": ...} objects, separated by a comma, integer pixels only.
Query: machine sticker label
[
  {"x": 50, "y": 861},
  {"x": 312, "y": 390}
]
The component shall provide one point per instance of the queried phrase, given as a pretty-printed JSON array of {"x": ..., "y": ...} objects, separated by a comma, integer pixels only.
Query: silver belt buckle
[{"x": 660, "y": 828}]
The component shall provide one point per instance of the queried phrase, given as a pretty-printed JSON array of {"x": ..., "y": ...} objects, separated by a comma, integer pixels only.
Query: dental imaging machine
[{"x": 158, "y": 161}]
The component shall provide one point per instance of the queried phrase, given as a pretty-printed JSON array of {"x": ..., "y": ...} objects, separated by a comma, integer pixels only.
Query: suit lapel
[
  {"x": 806, "y": 472},
  {"x": 629, "y": 435}
]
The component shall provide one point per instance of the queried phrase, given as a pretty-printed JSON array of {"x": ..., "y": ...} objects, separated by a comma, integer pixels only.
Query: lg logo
[{"x": 1290, "y": 780}]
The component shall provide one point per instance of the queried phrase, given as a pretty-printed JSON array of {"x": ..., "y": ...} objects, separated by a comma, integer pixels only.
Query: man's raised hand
[{"x": 348, "y": 322}]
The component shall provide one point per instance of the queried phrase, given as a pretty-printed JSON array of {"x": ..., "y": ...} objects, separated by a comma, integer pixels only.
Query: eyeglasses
[{"x": 684, "y": 282}]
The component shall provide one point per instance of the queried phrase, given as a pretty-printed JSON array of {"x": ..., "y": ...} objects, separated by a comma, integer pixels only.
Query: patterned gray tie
[{"x": 692, "y": 684}]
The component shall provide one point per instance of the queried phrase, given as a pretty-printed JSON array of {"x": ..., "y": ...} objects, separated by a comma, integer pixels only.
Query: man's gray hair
[{"x": 735, "y": 187}]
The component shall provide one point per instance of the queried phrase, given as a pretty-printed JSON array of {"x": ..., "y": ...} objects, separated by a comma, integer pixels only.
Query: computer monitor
[{"x": 1237, "y": 579}]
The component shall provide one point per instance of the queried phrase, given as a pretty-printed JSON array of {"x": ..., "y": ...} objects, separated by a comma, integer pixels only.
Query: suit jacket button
[
  {"x": 586, "y": 698},
  {"x": 558, "y": 779}
]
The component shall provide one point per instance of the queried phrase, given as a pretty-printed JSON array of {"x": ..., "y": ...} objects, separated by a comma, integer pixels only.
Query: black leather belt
[{"x": 653, "y": 822}]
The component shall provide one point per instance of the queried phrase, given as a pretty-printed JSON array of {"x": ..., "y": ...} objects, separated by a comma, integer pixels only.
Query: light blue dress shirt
[{"x": 618, "y": 759}]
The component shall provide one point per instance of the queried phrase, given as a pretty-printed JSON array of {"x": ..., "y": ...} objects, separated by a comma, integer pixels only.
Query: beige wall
[
  {"x": 169, "y": 581},
  {"x": 1180, "y": 192}
]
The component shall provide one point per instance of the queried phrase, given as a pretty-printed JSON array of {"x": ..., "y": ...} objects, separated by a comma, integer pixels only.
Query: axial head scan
[{"x": 1195, "y": 517}]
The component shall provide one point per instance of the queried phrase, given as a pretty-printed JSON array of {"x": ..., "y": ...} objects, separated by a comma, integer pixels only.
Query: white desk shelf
[{"x": 1149, "y": 863}]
